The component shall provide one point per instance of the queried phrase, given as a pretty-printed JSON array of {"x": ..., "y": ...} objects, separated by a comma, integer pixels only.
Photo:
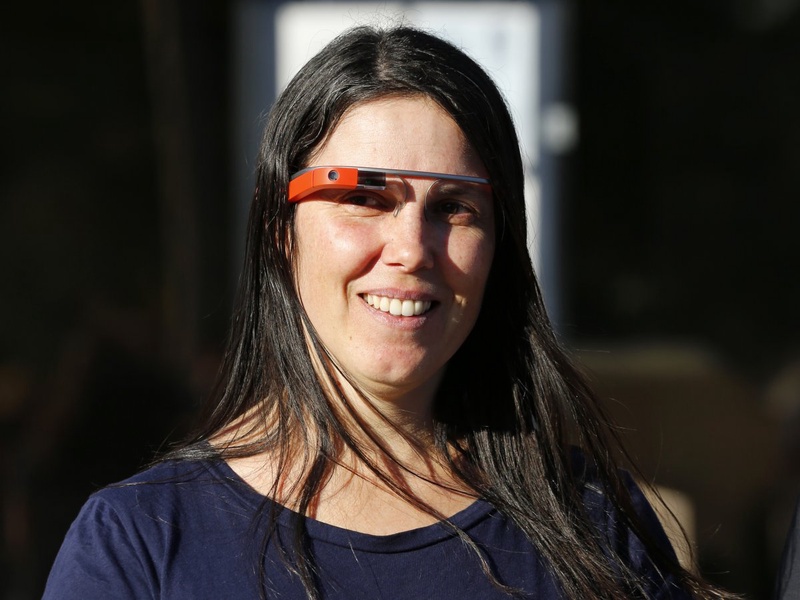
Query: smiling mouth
[{"x": 397, "y": 307}]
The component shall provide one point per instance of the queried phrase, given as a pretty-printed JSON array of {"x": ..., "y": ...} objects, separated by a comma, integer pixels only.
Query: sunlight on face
[{"x": 393, "y": 281}]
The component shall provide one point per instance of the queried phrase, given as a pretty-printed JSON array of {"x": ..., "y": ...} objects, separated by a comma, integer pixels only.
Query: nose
[{"x": 409, "y": 239}]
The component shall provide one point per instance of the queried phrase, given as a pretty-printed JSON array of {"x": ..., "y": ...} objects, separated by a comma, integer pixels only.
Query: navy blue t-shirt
[{"x": 187, "y": 530}]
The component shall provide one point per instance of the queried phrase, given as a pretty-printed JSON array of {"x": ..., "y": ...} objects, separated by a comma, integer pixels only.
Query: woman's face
[{"x": 360, "y": 259}]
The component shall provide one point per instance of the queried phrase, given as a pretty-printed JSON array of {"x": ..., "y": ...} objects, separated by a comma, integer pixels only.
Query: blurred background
[{"x": 670, "y": 208}]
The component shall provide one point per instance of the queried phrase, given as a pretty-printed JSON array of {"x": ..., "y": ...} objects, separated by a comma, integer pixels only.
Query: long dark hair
[{"x": 511, "y": 404}]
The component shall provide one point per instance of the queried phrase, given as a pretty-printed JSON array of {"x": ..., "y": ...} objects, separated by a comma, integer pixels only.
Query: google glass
[{"x": 317, "y": 179}]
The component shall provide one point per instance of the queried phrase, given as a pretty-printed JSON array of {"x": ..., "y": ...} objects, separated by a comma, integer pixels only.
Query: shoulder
[
  {"x": 629, "y": 527},
  {"x": 603, "y": 505},
  {"x": 163, "y": 484},
  {"x": 128, "y": 534},
  {"x": 154, "y": 492},
  {"x": 172, "y": 499},
  {"x": 787, "y": 582}
]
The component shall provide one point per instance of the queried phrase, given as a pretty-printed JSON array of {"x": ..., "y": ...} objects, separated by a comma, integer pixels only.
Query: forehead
[{"x": 400, "y": 133}]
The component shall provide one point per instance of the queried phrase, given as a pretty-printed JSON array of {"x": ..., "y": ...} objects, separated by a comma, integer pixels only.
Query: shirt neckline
[{"x": 319, "y": 531}]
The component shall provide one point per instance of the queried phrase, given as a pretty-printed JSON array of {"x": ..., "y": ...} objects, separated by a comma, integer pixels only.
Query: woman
[{"x": 394, "y": 417}]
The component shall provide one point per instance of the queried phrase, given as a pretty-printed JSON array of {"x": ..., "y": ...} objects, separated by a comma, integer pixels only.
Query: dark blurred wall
[
  {"x": 97, "y": 367},
  {"x": 681, "y": 257},
  {"x": 677, "y": 224},
  {"x": 685, "y": 206}
]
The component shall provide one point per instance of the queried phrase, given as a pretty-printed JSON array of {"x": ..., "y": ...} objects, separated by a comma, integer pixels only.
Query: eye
[
  {"x": 459, "y": 203},
  {"x": 366, "y": 203},
  {"x": 360, "y": 199},
  {"x": 454, "y": 212},
  {"x": 454, "y": 207}
]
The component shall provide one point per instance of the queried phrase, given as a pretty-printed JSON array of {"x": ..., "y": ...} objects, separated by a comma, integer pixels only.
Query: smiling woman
[{"x": 394, "y": 418}]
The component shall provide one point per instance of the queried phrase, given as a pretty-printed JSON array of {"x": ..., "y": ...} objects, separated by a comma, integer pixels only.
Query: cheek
[
  {"x": 472, "y": 261},
  {"x": 328, "y": 254}
]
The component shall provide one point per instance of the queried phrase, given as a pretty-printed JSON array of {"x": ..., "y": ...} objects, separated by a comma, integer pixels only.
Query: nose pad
[
  {"x": 397, "y": 189},
  {"x": 402, "y": 191}
]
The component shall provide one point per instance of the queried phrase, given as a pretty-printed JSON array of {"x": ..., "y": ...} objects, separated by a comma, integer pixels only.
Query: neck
[
  {"x": 392, "y": 432},
  {"x": 400, "y": 420}
]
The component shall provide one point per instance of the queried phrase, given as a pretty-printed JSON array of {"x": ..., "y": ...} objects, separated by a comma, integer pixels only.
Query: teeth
[{"x": 397, "y": 307}]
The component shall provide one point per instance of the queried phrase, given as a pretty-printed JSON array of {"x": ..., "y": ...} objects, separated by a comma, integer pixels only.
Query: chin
[{"x": 407, "y": 382}]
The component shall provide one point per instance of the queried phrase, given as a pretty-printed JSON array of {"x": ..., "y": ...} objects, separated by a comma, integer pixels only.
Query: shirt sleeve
[
  {"x": 102, "y": 556},
  {"x": 664, "y": 587},
  {"x": 623, "y": 541},
  {"x": 787, "y": 583}
]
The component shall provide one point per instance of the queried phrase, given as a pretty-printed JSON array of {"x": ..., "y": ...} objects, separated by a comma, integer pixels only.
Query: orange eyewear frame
[{"x": 313, "y": 179}]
